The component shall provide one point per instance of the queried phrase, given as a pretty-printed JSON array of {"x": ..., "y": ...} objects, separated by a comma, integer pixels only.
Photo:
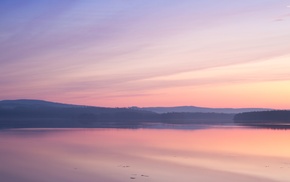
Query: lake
[{"x": 202, "y": 154}]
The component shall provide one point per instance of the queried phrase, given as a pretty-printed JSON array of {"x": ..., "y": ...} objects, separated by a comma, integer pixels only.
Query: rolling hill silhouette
[{"x": 25, "y": 113}]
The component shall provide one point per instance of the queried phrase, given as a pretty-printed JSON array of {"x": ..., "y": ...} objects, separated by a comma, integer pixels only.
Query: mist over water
[{"x": 203, "y": 154}]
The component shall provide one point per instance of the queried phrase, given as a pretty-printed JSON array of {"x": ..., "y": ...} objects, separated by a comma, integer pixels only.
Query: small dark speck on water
[{"x": 143, "y": 175}]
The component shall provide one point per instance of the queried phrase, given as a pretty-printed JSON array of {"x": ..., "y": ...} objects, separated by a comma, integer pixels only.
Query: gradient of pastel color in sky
[{"x": 121, "y": 53}]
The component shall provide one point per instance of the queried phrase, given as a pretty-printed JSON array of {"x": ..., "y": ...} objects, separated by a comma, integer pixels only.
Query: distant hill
[
  {"x": 43, "y": 114},
  {"x": 26, "y": 113},
  {"x": 29, "y": 103},
  {"x": 199, "y": 109},
  {"x": 32, "y": 104}
]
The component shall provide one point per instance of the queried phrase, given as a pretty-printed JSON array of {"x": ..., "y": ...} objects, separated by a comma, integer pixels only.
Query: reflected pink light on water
[
  {"x": 243, "y": 141},
  {"x": 146, "y": 155}
]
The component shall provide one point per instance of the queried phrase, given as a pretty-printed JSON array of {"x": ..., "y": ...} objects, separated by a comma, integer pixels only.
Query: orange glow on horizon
[{"x": 274, "y": 95}]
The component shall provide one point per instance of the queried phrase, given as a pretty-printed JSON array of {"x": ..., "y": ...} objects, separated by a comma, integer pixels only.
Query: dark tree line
[
  {"x": 47, "y": 116},
  {"x": 279, "y": 119},
  {"x": 263, "y": 116},
  {"x": 43, "y": 114}
]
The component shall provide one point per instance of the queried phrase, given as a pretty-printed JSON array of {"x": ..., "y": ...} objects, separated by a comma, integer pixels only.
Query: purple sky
[{"x": 147, "y": 53}]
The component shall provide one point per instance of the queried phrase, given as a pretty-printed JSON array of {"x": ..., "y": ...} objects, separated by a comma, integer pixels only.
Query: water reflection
[
  {"x": 109, "y": 155},
  {"x": 270, "y": 125}
]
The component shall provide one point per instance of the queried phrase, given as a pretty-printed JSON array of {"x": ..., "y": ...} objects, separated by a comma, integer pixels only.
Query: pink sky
[{"x": 147, "y": 53}]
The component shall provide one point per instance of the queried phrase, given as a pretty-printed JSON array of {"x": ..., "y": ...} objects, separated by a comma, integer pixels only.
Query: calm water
[{"x": 109, "y": 155}]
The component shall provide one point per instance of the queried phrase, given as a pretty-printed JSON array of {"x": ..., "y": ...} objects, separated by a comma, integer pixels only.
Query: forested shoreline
[
  {"x": 43, "y": 114},
  {"x": 100, "y": 117}
]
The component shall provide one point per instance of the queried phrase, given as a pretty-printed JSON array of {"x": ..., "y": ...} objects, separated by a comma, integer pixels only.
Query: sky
[{"x": 121, "y": 53}]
